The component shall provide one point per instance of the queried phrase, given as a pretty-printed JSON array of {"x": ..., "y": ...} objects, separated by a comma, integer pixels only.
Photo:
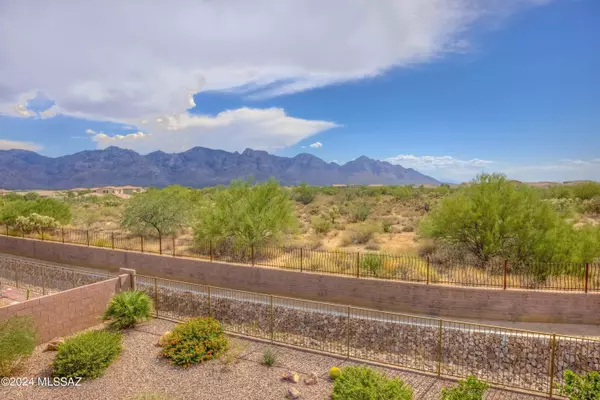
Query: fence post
[
  {"x": 348, "y": 335},
  {"x": 43, "y": 282},
  {"x": 209, "y": 309},
  {"x": 112, "y": 240},
  {"x": 439, "y": 366},
  {"x": 62, "y": 234},
  {"x": 173, "y": 245},
  {"x": 159, "y": 243},
  {"x": 358, "y": 264},
  {"x": 252, "y": 253},
  {"x": 505, "y": 272},
  {"x": 301, "y": 259},
  {"x": 142, "y": 243},
  {"x": 87, "y": 234},
  {"x": 210, "y": 249},
  {"x": 17, "y": 278},
  {"x": 272, "y": 320},
  {"x": 551, "y": 369},
  {"x": 73, "y": 278},
  {"x": 428, "y": 263},
  {"x": 587, "y": 276},
  {"x": 156, "y": 297},
  {"x": 22, "y": 232},
  {"x": 42, "y": 233},
  {"x": 6, "y": 229}
]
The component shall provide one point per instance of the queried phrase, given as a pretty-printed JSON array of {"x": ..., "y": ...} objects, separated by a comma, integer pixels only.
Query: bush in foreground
[
  {"x": 126, "y": 309},
  {"x": 17, "y": 341},
  {"x": 469, "y": 389},
  {"x": 362, "y": 383},
  {"x": 195, "y": 341},
  {"x": 87, "y": 355},
  {"x": 581, "y": 387}
]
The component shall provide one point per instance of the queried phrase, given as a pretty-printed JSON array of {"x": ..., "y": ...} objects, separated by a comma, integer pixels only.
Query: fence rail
[
  {"x": 512, "y": 358},
  {"x": 578, "y": 277},
  {"x": 44, "y": 279}
]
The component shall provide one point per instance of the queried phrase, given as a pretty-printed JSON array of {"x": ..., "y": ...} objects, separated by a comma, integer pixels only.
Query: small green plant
[
  {"x": 360, "y": 212},
  {"x": 360, "y": 383},
  {"x": 360, "y": 234},
  {"x": 334, "y": 373},
  {"x": 581, "y": 387},
  {"x": 195, "y": 341},
  {"x": 87, "y": 355},
  {"x": 269, "y": 357},
  {"x": 386, "y": 225},
  {"x": 371, "y": 264},
  {"x": 304, "y": 194},
  {"x": 101, "y": 243},
  {"x": 321, "y": 225},
  {"x": 128, "y": 308},
  {"x": 233, "y": 352},
  {"x": 18, "y": 337},
  {"x": 28, "y": 294},
  {"x": 469, "y": 389}
]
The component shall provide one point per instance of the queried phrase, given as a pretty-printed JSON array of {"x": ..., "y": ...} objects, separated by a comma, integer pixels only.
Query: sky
[{"x": 451, "y": 88}]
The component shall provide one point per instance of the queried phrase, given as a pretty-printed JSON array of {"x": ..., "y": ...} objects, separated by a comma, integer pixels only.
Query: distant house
[
  {"x": 109, "y": 190},
  {"x": 132, "y": 189}
]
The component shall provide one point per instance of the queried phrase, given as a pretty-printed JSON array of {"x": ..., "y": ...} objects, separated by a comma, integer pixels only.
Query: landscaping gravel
[{"x": 139, "y": 369}]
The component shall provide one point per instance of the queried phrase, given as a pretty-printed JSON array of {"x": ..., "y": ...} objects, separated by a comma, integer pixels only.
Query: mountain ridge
[{"x": 196, "y": 167}]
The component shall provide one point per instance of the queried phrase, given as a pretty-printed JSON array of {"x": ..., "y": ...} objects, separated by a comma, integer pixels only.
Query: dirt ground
[{"x": 238, "y": 375}]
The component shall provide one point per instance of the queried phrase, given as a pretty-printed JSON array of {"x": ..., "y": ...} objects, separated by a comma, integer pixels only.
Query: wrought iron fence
[
  {"x": 512, "y": 358},
  {"x": 43, "y": 279},
  {"x": 580, "y": 277}
]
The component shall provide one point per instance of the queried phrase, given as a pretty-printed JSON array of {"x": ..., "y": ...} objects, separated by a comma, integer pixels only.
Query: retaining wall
[{"x": 64, "y": 313}]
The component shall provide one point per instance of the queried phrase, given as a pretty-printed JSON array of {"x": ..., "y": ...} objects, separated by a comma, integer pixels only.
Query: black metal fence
[{"x": 580, "y": 277}]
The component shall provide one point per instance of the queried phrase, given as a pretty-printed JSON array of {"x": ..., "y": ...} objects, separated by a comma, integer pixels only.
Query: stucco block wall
[
  {"x": 433, "y": 300},
  {"x": 67, "y": 312}
]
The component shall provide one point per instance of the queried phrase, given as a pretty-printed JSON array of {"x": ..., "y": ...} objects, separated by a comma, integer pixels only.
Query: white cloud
[
  {"x": 317, "y": 145},
  {"x": 231, "y": 130},
  {"x": 453, "y": 169},
  {"x": 442, "y": 167},
  {"x": 9, "y": 144},
  {"x": 90, "y": 131},
  {"x": 95, "y": 63}
]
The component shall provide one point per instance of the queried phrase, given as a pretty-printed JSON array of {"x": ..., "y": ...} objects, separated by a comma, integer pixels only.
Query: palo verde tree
[
  {"x": 12, "y": 208},
  {"x": 494, "y": 217},
  {"x": 245, "y": 214},
  {"x": 157, "y": 211}
]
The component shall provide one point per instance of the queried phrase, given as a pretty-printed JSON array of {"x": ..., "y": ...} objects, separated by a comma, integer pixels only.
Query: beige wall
[
  {"x": 67, "y": 312},
  {"x": 433, "y": 300}
]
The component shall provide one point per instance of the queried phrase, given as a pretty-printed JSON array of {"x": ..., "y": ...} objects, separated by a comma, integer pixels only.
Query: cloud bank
[
  {"x": 10, "y": 145},
  {"x": 136, "y": 61}
]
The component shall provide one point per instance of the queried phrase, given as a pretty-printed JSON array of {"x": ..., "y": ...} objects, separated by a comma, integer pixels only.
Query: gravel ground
[{"x": 139, "y": 370}]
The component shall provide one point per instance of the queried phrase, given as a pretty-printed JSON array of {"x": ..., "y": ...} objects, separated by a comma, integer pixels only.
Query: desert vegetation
[{"x": 477, "y": 225}]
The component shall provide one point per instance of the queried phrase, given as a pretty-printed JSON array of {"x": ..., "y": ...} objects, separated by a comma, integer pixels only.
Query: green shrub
[
  {"x": 18, "y": 337},
  {"x": 360, "y": 234},
  {"x": 362, "y": 383},
  {"x": 194, "y": 341},
  {"x": 469, "y": 389},
  {"x": 269, "y": 357},
  {"x": 101, "y": 243},
  {"x": 360, "y": 212},
  {"x": 586, "y": 190},
  {"x": 592, "y": 206},
  {"x": 87, "y": 355},
  {"x": 304, "y": 194},
  {"x": 581, "y": 387},
  {"x": 386, "y": 225},
  {"x": 321, "y": 225},
  {"x": 371, "y": 264},
  {"x": 126, "y": 309}
]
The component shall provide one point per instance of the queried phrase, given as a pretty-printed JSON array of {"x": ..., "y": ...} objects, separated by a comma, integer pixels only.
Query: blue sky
[{"x": 437, "y": 85}]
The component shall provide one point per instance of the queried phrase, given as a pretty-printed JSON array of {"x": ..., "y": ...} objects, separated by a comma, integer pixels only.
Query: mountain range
[{"x": 197, "y": 167}]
